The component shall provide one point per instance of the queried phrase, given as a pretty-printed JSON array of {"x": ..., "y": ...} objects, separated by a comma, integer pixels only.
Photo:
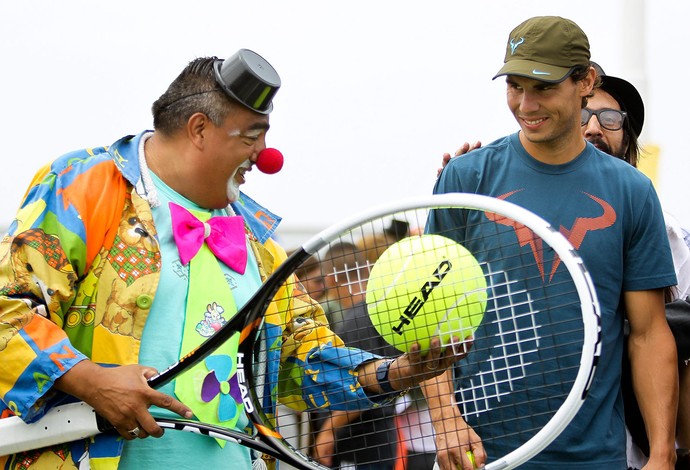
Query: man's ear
[
  {"x": 587, "y": 83},
  {"x": 197, "y": 127}
]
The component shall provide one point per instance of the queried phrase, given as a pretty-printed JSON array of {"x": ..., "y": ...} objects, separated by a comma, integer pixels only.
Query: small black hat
[
  {"x": 248, "y": 78},
  {"x": 627, "y": 96}
]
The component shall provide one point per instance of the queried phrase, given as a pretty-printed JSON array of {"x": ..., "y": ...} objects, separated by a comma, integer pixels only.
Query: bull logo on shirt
[{"x": 575, "y": 234}]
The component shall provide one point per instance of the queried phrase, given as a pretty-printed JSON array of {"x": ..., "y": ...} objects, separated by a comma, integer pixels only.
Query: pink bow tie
[{"x": 224, "y": 236}]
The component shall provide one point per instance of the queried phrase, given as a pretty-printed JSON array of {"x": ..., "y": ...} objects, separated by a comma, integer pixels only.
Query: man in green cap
[{"x": 548, "y": 168}]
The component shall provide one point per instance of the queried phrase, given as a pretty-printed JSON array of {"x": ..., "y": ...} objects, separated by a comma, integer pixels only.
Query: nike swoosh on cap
[{"x": 539, "y": 72}]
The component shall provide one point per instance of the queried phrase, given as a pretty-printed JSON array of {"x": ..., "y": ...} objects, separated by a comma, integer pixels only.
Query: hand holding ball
[
  {"x": 269, "y": 161},
  {"x": 424, "y": 287}
]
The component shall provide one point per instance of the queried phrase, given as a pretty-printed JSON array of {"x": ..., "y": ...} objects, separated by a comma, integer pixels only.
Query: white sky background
[{"x": 373, "y": 92}]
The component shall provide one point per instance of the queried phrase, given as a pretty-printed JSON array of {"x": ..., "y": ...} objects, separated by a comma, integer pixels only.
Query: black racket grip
[{"x": 104, "y": 425}]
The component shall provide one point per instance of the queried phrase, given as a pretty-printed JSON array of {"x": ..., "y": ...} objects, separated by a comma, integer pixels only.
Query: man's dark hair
[
  {"x": 632, "y": 145},
  {"x": 193, "y": 91},
  {"x": 579, "y": 73}
]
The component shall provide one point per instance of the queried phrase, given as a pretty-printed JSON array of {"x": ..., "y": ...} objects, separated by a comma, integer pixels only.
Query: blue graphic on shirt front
[{"x": 221, "y": 380}]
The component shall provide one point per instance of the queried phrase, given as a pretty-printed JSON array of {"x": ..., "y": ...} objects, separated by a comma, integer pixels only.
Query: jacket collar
[{"x": 262, "y": 222}]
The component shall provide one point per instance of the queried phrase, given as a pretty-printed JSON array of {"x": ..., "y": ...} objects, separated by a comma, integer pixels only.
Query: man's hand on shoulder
[{"x": 464, "y": 148}]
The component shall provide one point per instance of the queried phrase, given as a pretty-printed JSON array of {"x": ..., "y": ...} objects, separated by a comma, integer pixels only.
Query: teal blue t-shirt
[
  {"x": 160, "y": 347},
  {"x": 628, "y": 251}
]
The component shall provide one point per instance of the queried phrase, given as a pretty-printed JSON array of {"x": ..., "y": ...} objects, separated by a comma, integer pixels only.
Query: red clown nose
[{"x": 269, "y": 161}]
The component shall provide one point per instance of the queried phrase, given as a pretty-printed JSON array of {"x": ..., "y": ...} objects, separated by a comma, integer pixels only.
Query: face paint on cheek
[
  {"x": 235, "y": 181},
  {"x": 233, "y": 190}
]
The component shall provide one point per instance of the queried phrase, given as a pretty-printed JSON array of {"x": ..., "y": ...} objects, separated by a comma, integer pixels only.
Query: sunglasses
[{"x": 609, "y": 119}]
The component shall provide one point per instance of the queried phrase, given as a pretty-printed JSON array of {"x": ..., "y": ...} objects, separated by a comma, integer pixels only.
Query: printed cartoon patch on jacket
[
  {"x": 34, "y": 247},
  {"x": 134, "y": 253},
  {"x": 57, "y": 457},
  {"x": 133, "y": 256},
  {"x": 9, "y": 329},
  {"x": 124, "y": 312}
]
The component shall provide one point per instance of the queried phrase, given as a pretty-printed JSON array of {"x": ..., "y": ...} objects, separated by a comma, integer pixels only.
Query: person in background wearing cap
[
  {"x": 95, "y": 295},
  {"x": 548, "y": 168}
]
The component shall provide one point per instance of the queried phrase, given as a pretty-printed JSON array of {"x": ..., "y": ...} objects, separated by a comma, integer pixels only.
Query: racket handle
[{"x": 61, "y": 424}]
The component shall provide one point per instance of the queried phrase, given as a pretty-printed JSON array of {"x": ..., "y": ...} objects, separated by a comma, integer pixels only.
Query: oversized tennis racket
[{"x": 533, "y": 358}]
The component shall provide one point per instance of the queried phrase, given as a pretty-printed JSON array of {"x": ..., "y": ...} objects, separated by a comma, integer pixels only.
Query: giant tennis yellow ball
[{"x": 424, "y": 287}]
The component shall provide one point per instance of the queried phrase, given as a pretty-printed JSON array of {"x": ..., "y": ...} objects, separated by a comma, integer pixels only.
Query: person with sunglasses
[{"x": 619, "y": 112}]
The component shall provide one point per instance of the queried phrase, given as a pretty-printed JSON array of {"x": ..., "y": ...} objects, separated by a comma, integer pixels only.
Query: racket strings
[
  {"x": 521, "y": 366},
  {"x": 525, "y": 375},
  {"x": 353, "y": 277}
]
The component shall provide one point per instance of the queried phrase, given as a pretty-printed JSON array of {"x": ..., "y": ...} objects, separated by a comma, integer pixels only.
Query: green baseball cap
[{"x": 545, "y": 48}]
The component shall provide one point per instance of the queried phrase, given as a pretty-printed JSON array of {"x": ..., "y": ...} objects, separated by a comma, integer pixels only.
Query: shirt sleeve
[
  {"x": 648, "y": 263},
  {"x": 37, "y": 279},
  {"x": 317, "y": 369},
  {"x": 309, "y": 367}
]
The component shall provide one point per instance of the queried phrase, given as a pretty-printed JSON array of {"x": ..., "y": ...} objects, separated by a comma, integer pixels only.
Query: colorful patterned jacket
[{"x": 79, "y": 268}]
